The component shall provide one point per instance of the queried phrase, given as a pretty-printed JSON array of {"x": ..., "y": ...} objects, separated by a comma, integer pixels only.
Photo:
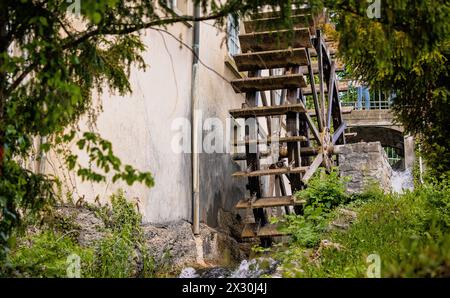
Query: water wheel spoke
[
  {"x": 313, "y": 168},
  {"x": 331, "y": 94},
  {"x": 338, "y": 133}
]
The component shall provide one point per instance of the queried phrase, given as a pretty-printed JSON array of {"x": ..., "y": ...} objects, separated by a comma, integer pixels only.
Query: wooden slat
[
  {"x": 304, "y": 151},
  {"x": 270, "y": 230},
  {"x": 275, "y": 40},
  {"x": 343, "y": 86},
  {"x": 269, "y": 172},
  {"x": 315, "y": 68},
  {"x": 277, "y": 13},
  {"x": 269, "y": 202},
  {"x": 344, "y": 110},
  {"x": 268, "y": 83},
  {"x": 275, "y": 23},
  {"x": 270, "y": 59},
  {"x": 271, "y": 140},
  {"x": 331, "y": 47},
  {"x": 249, "y": 230},
  {"x": 267, "y": 111}
]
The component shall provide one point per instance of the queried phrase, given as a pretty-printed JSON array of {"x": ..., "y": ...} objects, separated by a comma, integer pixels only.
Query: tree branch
[{"x": 74, "y": 41}]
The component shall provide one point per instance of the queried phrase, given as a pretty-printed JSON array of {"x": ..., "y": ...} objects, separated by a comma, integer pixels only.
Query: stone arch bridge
[{"x": 378, "y": 125}]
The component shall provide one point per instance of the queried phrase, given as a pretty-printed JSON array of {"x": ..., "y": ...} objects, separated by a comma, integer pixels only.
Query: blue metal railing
[
  {"x": 378, "y": 100},
  {"x": 374, "y": 105}
]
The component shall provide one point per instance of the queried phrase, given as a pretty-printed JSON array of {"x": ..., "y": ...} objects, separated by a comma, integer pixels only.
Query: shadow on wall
[{"x": 218, "y": 189}]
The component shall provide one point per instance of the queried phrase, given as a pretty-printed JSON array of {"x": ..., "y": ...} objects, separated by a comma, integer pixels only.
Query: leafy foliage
[
  {"x": 409, "y": 232},
  {"x": 406, "y": 52},
  {"x": 324, "y": 193},
  {"x": 45, "y": 255},
  {"x": 20, "y": 187},
  {"x": 53, "y": 56},
  {"x": 116, "y": 254},
  {"x": 121, "y": 253}
]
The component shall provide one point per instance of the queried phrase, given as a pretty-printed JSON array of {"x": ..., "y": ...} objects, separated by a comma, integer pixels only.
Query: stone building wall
[{"x": 364, "y": 162}]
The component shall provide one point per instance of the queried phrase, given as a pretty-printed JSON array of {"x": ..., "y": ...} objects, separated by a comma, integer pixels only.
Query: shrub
[
  {"x": 324, "y": 191},
  {"x": 122, "y": 253},
  {"x": 323, "y": 194},
  {"x": 45, "y": 255},
  {"x": 409, "y": 232},
  {"x": 119, "y": 254}
]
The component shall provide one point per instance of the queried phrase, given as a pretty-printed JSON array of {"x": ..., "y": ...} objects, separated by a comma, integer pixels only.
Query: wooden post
[
  {"x": 253, "y": 159},
  {"x": 321, "y": 79},
  {"x": 292, "y": 128}
]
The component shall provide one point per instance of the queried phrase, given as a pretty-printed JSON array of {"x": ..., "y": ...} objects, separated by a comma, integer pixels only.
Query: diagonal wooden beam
[
  {"x": 337, "y": 110},
  {"x": 321, "y": 74},
  {"x": 339, "y": 131},
  {"x": 312, "y": 126},
  {"x": 314, "y": 91},
  {"x": 312, "y": 168},
  {"x": 331, "y": 93}
]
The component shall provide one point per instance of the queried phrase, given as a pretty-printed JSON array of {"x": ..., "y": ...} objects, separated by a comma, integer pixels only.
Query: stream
[
  {"x": 253, "y": 268},
  {"x": 402, "y": 180}
]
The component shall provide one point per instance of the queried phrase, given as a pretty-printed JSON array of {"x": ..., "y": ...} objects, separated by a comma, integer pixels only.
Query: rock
[
  {"x": 216, "y": 272},
  {"x": 324, "y": 244},
  {"x": 92, "y": 228},
  {"x": 173, "y": 244},
  {"x": 188, "y": 272},
  {"x": 327, "y": 244},
  {"x": 81, "y": 222},
  {"x": 229, "y": 223},
  {"x": 343, "y": 219},
  {"x": 364, "y": 162},
  {"x": 218, "y": 247}
]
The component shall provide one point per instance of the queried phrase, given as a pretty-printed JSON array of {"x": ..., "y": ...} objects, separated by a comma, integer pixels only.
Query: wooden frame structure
[{"x": 304, "y": 137}]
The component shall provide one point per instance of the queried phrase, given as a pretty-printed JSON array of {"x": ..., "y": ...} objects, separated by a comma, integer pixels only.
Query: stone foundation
[
  {"x": 364, "y": 162},
  {"x": 173, "y": 245},
  {"x": 176, "y": 246}
]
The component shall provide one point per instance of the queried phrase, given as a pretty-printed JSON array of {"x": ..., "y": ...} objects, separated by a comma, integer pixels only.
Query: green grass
[
  {"x": 408, "y": 232},
  {"x": 45, "y": 253}
]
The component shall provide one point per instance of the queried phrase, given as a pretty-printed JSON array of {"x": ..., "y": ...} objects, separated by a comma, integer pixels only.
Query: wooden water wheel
[{"x": 303, "y": 116}]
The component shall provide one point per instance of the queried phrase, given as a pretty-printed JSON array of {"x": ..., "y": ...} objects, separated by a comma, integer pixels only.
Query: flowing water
[
  {"x": 247, "y": 269},
  {"x": 402, "y": 180}
]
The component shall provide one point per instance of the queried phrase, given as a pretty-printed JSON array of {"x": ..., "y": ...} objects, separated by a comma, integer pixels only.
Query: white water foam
[{"x": 402, "y": 181}]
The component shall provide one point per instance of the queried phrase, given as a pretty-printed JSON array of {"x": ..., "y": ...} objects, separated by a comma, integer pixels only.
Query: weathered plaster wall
[
  {"x": 216, "y": 97},
  {"x": 139, "y": 126}
]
